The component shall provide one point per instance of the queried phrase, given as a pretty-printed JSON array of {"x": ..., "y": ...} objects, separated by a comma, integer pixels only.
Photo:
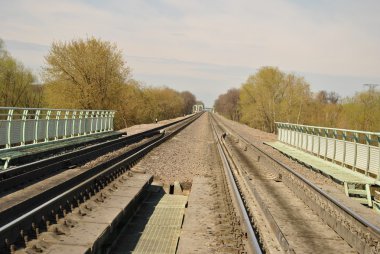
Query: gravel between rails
[
  {"x": 184, "y": 156},
  {"x": 208, "y": 225},
  {"x": 14, "y": 198},
  {"x": 257, "y": 137},
  {"x": 302, "y": 228},
  {"x": 19, "y": 196}
]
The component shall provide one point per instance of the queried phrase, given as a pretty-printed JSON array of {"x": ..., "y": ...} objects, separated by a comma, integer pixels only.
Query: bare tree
[
  {"x": 188, "y": 100},
  {"x": 89, "y": 72},
  {"x": 16, "y": 83}
]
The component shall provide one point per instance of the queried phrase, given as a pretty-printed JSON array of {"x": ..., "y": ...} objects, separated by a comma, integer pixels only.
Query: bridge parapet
[
  {"x": 25, "y": 126},
  {"x": 353, "y": 149}
]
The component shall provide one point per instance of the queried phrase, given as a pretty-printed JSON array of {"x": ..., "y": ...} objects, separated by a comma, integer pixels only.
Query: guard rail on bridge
[
  {"x": 357, "y": 150},
  {"x": 23, "y": 126}
]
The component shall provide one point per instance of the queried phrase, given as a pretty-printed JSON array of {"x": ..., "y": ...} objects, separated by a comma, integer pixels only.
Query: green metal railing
[
  {"x": 357, "y": 150},
  {"x": 25, "y": 126}
]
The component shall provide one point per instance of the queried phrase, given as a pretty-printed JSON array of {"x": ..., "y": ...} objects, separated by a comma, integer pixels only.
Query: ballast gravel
[
  {"x": 257, "y": 138},
  {"x": 184, "y": 156}
]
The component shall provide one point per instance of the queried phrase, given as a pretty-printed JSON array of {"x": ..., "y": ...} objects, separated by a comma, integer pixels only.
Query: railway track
[
  {"x": 252, "y": 242},
  {"x": 215, "y": 209},
  {"x": 17, "y": 177},
  {"x": 301, "y": 217},
  {"x": 22, "y": 221}
]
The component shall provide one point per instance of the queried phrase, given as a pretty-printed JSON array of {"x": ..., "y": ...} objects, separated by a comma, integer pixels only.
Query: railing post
[
  {"x": 37, "y": 118},
  {"x": 326, "y": 142},
  {"x": 24, "y": 117},
  {"x": 335, "y": 133},
  {"x": 378, "y": 145},
  {"x": 344, "y": 138},
  {"x": 80, "y": 123},
  {"x": 284, "y": 134},
  {"x": 291, "y": 135},
  {"x": 57, "y": 117},
  {"x": 307, "y": 138},
  {"x": 298, "y": 132},
  {"x": 73, "y": 117},
  {"x": 9, "y": 119},
  {"x": 47, "y": 117},
  {"x": 85, "y": 122},
  {"x": 355, "y": 150},
  {"x": 92, "y": 122},
  {"x": 106, "y": 118},
  {"x": 319, "y": 142},
  {"x": 66, "y": 121},
  {"x": 101, "y": 120},
  {"x": 111, "y": 120},
  {"x": 97, "y": 121},
  {"x": 312, "y": 140},
  {"x": 368, "y": 138},
  {"x": 294, "y": 143}
]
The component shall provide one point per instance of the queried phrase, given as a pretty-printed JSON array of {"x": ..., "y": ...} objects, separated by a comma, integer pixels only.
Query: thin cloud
[{"x": 215, "y": 43}]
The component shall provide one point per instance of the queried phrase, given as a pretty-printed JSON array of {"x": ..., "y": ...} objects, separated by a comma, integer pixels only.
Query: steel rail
[
  {"x": 333, "y": 200},
  {"x": 28, "y": 158},
  {"x": 317, "y": 189},
  {"x": 251, "y": 237},
  {"x": 14, "y": 178},
  {"x": 75, "y": 190}
]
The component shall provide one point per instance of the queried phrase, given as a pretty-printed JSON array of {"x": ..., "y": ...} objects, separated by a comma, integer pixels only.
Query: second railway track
[
  {"x": 301, "y": 217},
  {"x": 19, "y": 176},
  {"x": 21, "y": 221}
]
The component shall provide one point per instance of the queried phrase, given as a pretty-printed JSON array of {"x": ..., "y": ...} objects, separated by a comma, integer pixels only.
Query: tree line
[
  {"x": 271, "y": 95},
  {"x": 89, "y": 74},
  {"x": 17, "y": 87}
]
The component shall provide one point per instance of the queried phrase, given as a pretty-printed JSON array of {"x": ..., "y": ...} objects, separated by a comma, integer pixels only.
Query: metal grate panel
[
  {"x": 374, "y": 160},
  {"x": 16, "y": 131},
  {"x": 330, "y": 148},
  {"x": 350, "y": 153},
  {"x": 362, "y": 156},
  {"x": 339, "y": 151}
]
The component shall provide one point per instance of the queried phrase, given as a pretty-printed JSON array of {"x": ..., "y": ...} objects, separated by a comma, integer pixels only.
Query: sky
[{"x": 207, "y": 47}]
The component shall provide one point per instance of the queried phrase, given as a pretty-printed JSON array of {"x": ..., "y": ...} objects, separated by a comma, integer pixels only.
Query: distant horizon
[{"x": 208, "y": 48}]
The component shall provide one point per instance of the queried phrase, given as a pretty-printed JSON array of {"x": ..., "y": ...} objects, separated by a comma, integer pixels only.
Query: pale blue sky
[{"x": 207, "y": 47}]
